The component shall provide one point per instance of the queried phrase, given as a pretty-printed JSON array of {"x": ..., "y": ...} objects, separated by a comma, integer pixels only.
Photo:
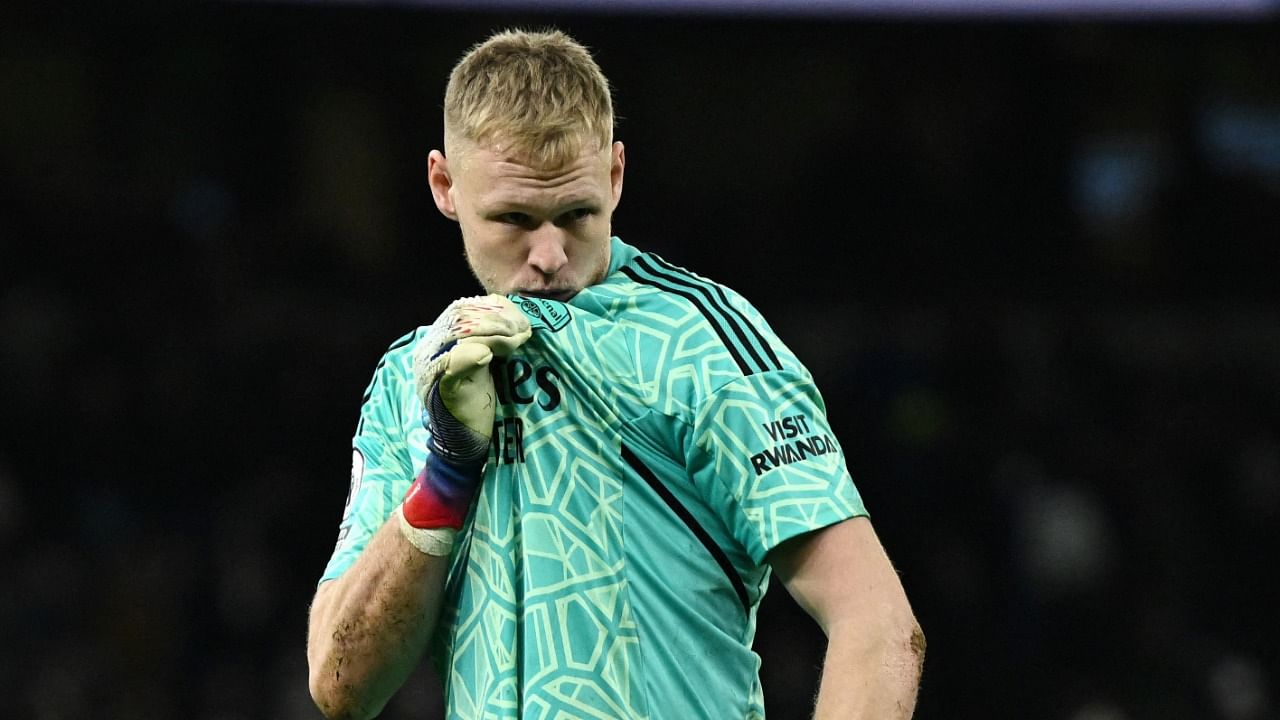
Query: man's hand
[
  {"x": 369, "y": 626},
  {"x": 450, "y": 367},
  {"x": 451, "y": 371}
]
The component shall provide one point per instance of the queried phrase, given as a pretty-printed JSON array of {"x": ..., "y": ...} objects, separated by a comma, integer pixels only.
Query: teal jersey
[{"x": 654, "y": 441}]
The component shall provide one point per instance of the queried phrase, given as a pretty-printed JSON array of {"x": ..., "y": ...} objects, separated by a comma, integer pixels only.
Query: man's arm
[
  {"x": 369, "y": 627},
  {"x": 875, "y": 648}
]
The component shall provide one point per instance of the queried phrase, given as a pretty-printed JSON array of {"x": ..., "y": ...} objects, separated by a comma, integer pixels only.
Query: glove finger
[
  {"x": 483, "y": 315},
  {"x": 490, "y": 315},
  {"x": 425, "y": 373},
  {"x": 428, "y": 372},
  {"x": 491, "y": 320},
  {"x": 466, "y": 387},
  {"x": 500, "y": 345},
  {"x": 465, "y": 358}
]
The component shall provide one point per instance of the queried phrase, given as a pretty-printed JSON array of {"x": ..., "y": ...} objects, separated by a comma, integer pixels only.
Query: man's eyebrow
[{"x": 511, "y": 203}]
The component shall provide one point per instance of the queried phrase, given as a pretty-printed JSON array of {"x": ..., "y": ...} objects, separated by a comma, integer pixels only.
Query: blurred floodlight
[{"x": 1241, "y": 138}]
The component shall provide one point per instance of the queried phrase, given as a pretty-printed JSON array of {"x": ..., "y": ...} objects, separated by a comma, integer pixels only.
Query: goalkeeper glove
[{"x": 451, "y": 371}]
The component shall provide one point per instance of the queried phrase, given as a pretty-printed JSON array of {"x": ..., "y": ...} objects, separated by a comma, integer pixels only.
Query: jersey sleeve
[
  {"x": 764, "y": 455},
  {"x": 384, "y": 453}
]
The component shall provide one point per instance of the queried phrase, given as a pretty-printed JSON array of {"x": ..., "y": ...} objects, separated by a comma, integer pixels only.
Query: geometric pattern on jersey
[{"x": 654, "y": 440}]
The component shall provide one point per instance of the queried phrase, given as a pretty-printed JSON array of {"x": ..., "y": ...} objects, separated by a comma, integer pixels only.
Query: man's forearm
[
  {"x": 368, "y": 628},
  {"x": 870, "y": 677}
]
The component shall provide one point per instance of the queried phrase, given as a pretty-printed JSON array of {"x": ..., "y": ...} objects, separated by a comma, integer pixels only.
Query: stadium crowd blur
[{"x": 1032, "y": 265}]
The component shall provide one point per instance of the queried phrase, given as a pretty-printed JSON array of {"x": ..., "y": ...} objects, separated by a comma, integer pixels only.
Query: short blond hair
[{"x": 540, "y": 94}]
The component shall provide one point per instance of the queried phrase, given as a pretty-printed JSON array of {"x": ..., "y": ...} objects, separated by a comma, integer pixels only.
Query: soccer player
[{"x": 574, "y": 490}]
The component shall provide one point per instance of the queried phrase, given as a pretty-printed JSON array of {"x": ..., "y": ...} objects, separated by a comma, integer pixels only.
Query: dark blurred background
[{"x": 1032, "y": 264}]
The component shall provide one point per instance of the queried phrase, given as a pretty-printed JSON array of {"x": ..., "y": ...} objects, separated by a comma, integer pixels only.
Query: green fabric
[{"x": 654, "y": 416}]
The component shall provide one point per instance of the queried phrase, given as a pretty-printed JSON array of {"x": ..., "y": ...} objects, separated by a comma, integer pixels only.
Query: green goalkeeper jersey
[{"x": 654, "y": 441}]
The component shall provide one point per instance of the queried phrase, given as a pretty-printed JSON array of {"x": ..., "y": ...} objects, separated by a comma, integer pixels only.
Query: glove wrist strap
[
  {"x": 441, "y": 494},
  {"x": 451, "y": 440},
  {"x": 437, "y": 542}
]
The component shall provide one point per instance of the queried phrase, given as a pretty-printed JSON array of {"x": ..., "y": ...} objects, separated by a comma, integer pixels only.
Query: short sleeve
[
  {"x": 764, "y": 455},
  {"x": 382, "y": 455}
]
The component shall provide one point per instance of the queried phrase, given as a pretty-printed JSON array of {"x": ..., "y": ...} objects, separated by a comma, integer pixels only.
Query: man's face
[{"x": 528, "y": 230}]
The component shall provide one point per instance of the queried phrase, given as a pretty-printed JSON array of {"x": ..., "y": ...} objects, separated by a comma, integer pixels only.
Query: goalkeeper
[{"x": 571, "y": 493}]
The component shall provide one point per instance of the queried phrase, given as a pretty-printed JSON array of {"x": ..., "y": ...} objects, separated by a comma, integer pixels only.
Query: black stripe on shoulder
[
  {"x": 683, "y": 513},
  {"x": 670, "y": 280},
  {"x": 724, "y": 304},
  {"x": 697, "y": 302}
]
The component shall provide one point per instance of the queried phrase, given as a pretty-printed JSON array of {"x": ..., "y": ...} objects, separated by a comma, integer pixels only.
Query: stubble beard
[{"x": 491, "y": 284}]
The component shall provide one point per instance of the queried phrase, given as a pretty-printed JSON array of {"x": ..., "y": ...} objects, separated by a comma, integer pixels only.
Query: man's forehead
[
  {"x": 499, "y": 160},
  {"x": 496, "y": 178}
]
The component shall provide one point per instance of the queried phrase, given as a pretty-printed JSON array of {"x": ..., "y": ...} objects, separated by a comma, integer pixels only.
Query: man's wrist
[
  {"x": 452, "y": 441},
  {"x": 441, "y": 494},
  {"x": 437, "y": 542}
]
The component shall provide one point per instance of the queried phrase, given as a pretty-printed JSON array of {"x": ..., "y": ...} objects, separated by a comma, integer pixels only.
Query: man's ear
[
  {"x": 441, "y": 182},
  {"x": 617, "y": 163}
]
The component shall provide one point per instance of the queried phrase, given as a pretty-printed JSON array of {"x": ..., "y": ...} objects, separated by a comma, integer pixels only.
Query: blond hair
[{"x": 540, "y": 94}]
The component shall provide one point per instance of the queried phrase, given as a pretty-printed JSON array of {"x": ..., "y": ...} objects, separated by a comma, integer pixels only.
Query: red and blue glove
[{"x": 451, "y": 371}]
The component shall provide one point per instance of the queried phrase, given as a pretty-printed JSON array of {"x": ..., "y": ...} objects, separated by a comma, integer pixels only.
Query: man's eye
[
  {"x": 514, "y": 218},
  {"x": 575, "y": 215}
]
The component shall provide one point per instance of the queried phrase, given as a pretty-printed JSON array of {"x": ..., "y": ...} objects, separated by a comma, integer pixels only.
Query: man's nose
[{"x": 546, "y": 249}]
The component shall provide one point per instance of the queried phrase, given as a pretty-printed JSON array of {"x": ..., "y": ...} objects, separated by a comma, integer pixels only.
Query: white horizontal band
[{"x": 432, "y": 541}]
